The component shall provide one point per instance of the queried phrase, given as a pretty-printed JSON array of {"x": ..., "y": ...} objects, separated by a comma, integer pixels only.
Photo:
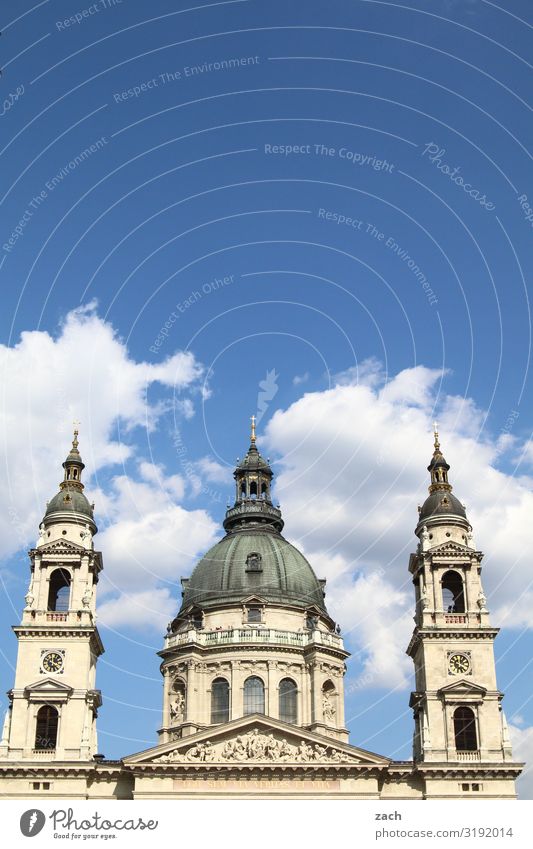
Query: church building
[{"x": 253, "y": 668}]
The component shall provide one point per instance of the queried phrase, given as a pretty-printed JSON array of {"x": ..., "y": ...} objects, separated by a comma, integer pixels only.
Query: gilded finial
[
  {"x": 75, "y": 439},
  {"x": 252, "y": 435}
]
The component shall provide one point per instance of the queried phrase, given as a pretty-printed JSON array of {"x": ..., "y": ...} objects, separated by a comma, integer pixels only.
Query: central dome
[
  {"x": 253, "y": 563},
  {"x": 253, "y": 558}
]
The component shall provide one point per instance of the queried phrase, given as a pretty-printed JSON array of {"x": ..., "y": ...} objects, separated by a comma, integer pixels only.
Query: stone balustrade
[
  {"x": 468, "y": 756},
  {"x": 246, "y": 636}
]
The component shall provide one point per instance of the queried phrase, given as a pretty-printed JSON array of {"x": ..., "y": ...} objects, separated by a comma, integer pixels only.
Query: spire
[
  {"x": 438, "y": 467},
  {"x": 436, "y": 442},
  {"x": 252, "y": 434}
]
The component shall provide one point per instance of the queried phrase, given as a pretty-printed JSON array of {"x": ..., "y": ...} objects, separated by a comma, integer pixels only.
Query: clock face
[
  {"x": 52, "y": 662},
  {"x": 459, "y": 663}
]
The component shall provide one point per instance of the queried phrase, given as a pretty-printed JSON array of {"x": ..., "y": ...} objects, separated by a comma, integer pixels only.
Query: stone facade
[{"x": 253, "y": 669}]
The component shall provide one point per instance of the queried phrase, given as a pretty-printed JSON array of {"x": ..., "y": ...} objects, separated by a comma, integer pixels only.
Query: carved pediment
[
  {"x": 256, "y": 739},
  {"x": 451, "y": 549},
  {"x": 254, "y": 599},
  {"x": 462, "y": 688},
  {"x": 60, "y": 546},
  {"x": 47, "y": 688}
]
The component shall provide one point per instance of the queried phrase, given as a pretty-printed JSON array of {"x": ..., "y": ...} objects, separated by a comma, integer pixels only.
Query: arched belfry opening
[
  {"x": 59, "y": 590},
  {"x": 453, "y": 598}
]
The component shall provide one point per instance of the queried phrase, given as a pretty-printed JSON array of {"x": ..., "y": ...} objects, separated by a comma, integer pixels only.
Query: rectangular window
[
  {"x": 254, "y": 614},
  {"x": 36, "y": 785}
]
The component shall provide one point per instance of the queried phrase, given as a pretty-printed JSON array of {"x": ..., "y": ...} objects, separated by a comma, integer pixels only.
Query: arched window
[
  {"x": 254, "y": 695},
  {"x": 453, "y": 599},
  {"x": 464, "y": 726},
  {"x": 59, "y": 590},
  {"x": 219, "y": 701},
  {"x": 243, "y": 488},
  {"x": 264, "y": 491},
  {"x": 288, "y": 693},
  {"x": 253, "y": 489},
  {"x": 46, "y": 728}
]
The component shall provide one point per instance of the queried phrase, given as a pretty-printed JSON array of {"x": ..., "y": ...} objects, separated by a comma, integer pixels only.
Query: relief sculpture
[{"x": 255, "y": 746}]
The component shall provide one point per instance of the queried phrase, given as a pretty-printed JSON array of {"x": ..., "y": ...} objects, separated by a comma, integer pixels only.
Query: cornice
[
  {"x": 58, "y": 769},
  {"x": 179, "y": 652},
  {"x": 296, "y": 770},
  {"x": 422, "y": 634},
  {"x": 471, "y": 770}
]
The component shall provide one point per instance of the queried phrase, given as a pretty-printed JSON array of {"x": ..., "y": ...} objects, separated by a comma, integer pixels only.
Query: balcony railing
[
  {"x": 270, "y": 636},
  {"x": 455, "y": 618},
  {"x": 68, "y": 617},
  {"x": 44, "y": 754},
  {"x": 468, "y": 756}
]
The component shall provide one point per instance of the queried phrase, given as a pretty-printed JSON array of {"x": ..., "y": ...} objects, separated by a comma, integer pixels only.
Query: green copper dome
[
  {"x": 441, "y": 504},
  {"x": 253, "y": 562},
  {"x": 253, "y": 558},
  {"x": 69, "y": 501}
]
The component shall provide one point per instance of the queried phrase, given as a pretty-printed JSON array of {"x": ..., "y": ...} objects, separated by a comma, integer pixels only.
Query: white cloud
[
  {"x": 83, "y": 372},
  {"x": 211, "y": 470},
  {"x": 352, "y": 472},
  {"x": 146, "y": 545},
  {"x": 522, "y": 741},
  {"x": 151, "y": 608}
]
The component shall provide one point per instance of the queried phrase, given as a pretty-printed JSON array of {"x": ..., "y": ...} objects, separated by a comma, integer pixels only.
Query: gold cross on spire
[
  {"x": 436, "y": 436},
  {"x": 252, "y": 437}
]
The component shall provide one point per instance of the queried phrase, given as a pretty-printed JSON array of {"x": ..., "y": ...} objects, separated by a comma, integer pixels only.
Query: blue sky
[{"x": 314, "y": 212}]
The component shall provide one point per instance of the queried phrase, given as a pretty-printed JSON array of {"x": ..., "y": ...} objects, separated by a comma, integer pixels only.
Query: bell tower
[
  {"x": 456, "y": 704},
  {"x": 54, "y": 703}
]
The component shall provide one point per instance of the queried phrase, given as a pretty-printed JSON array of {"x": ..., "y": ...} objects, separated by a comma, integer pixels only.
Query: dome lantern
[{"x": 253, "y": 502}]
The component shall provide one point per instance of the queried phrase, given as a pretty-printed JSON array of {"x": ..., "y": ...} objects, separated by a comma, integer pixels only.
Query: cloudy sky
[{"x": 317, "y": 215}]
